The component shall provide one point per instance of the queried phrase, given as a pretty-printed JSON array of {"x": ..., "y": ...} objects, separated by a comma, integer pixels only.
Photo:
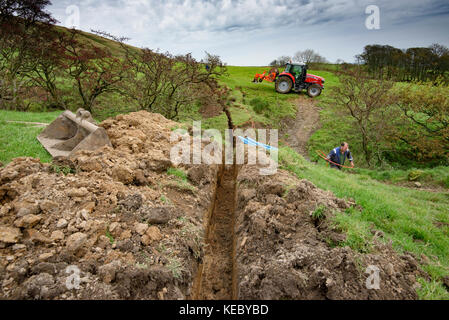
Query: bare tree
[
  {"x": 439, "y": 50},
  {"x": 308, "y": 56},
  {"x": 163, "y": 83},
  {"x": 281, "y": 61}
]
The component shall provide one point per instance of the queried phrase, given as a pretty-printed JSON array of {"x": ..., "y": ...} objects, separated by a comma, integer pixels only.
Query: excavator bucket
[{"x": 72, "y": 132}]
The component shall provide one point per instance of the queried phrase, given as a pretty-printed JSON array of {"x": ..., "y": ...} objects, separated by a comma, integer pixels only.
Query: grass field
[
  {"x": 19, "y": 140},
  {"x": 44, "y": 117},
  {"x": 437, "y": 177},
  {"x": 273, "y": 106}
]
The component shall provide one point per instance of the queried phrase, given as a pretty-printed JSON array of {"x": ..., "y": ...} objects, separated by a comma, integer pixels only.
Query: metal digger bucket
[{"x": 70, "y": 133}]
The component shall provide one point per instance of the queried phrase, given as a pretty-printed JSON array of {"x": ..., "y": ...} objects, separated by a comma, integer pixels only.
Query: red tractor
[{"x": 296, "y": 78}]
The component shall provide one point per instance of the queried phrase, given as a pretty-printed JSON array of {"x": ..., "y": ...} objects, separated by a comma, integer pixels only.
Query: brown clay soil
[
  {"x": 132, "y": 230},
  {"x": 211, "y": 110},
  {"x": 282, "y": 252},
  {"x": 215, "y": 277},
  {"x": 299, "y": 130}
]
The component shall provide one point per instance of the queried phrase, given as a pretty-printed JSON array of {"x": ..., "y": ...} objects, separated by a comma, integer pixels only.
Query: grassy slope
[
  {"x": 332, "y": 132},
  {"x": 100, "y": 41},
  {"x": 244, "y": 91},
  {"x": 102, "y": 108},
  {"x": 408, "y": 217},
  {"x": 279, "y": 105}
]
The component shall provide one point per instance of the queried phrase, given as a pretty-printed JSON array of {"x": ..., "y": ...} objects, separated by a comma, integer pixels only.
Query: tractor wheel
[
  {"x": 260, "y": 80},
  {"x": 314, "y": 90},
  {"x": 284, "y": 85}
]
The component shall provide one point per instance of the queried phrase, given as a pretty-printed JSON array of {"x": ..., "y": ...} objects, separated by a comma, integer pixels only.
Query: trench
[
  {"x": 215, "y": 279},
  {"x": 216, "y": 276}
]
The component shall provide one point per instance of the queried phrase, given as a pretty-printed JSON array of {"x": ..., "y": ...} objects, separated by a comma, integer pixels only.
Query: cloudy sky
[{"x": 254, "y": 32}]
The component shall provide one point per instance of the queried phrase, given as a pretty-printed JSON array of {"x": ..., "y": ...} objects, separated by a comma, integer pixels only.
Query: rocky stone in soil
[{"x": 94, "y": 218}]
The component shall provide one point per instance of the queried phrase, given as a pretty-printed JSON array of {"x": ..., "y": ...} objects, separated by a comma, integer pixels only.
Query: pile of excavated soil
[
  {"x": 126, "y": 229},
  {"x": 132, "y": 230},
  {"x": 283, "y": 251}
]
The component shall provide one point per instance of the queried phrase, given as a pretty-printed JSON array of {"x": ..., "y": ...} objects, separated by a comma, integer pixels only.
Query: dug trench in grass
[{"x": 215, "y": 278}]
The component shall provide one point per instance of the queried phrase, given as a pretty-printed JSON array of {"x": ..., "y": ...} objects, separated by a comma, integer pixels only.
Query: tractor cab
[
  {"x": 296, "y": 78},
  {"x": 297, "y": 70}
]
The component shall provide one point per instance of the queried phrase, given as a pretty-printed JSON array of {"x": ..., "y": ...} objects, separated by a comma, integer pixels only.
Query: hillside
[{"x": 99, "y": 41}]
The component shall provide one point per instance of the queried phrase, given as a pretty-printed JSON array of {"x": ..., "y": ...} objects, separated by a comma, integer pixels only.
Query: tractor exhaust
[{"x": 72, "y": 132}]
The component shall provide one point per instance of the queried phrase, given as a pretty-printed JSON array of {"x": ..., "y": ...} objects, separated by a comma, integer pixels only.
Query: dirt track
[
  {"x": 303, "y": 126},
  {"x": 34, "y": 124}
]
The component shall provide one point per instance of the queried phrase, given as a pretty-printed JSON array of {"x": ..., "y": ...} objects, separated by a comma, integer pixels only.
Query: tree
[
  {"x": 94, "y": 70},
  {"x": 163, "y": 83},
  {"x": 281, "y": 61},
  {"x": 441, "y": 63},
  {"x": 308, "y": 56},
  {"x": 439, "y": 50},
  {"x": 426, "y": 107},
  {"x": 412, "y": 64},
  {"x": 47, "y": 70},
  {"x": 21, "y": 21},
  {"x": 29, "y": 12},
  {"x": 366, "y": 101}
]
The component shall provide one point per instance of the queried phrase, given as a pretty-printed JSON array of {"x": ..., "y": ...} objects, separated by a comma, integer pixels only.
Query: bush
[
  {"x": 259, "y": 105},
  {"x": 414, "y": 175}
]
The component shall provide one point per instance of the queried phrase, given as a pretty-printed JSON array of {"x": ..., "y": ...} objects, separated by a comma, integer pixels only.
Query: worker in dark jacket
[{"x": 339, "y": 155}]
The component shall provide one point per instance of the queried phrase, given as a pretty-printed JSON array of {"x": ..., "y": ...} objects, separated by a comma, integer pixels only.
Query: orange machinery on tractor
[{"x": 270, "y": 77}]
